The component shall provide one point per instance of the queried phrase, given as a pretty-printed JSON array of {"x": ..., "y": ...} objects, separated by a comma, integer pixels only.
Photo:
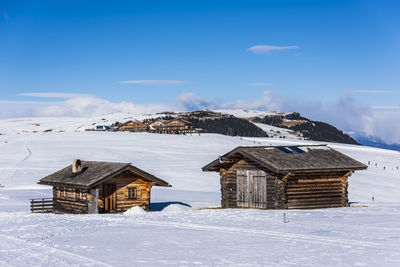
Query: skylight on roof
[
  {"x": 284, "y": 150},
  {"x": 297, "y": 149}
]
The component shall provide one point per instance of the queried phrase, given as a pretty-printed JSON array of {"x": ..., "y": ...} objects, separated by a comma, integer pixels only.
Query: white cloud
[
  {"x": 87, "y": 106},
  {"x": 268, "y": 101},
  {"x": 15, "y": 109},
  {"x": 386, "y": 107},
  {"x": 372, "y": 91},
  {"x": 155, "y": 82},
  {"x": 260, "y": 49},
  {"x": 52, "y": 95},
  {"x": 344, "y": 112},
  {"x": 259, "y": 84},
  {"x": 192, "y": 101},
  {"x": 78, "y": 106},
  {"x": 385, "y": 125}
]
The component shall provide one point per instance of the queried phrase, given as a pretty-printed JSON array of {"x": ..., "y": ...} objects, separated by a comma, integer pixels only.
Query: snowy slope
[
  {"x": 40, "y": 124},
  {"x": 278, "y": 132},
  {"x": 272, "y": 131},
  {"x": 366, "y": 234}
]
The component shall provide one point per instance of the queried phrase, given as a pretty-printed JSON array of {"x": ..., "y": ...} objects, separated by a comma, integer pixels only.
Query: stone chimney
[{"x": 76, "y": 166}]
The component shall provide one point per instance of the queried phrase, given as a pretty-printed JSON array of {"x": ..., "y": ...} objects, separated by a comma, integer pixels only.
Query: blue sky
[{"x": 224, "y": 51}]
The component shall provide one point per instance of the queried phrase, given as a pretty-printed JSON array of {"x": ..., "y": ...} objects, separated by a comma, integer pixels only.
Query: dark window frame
[{"x": 132, "y": 193}]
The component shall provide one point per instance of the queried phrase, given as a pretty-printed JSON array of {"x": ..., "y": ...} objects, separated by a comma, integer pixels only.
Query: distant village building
[
  {"x": 99, "y": 128},
  {"x": 157, "y": 126},
  {"x": 174, "y": 126},
  {"x": 100, "y": 187},
  {"x": 133, "y": 126},
  {"x": 178, "y": 126},
  {"x": 291, "y": 177},
  {"x": 102, "y": 128}
]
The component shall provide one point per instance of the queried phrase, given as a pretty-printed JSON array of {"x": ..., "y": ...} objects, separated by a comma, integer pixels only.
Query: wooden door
[
  {"x": 110, "y": 197},
  {"x": 251, "y": 189}
]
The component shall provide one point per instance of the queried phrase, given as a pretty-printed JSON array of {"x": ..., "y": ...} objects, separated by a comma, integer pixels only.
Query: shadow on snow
[{"x": 159, "y": 206}]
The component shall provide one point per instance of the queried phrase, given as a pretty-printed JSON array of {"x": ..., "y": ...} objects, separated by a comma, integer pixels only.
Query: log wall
[
  {"x": 73, "y": 200},
  {"x": 70, "y": 200},
  {"x": 299, "y": 190},
  {"x": 317, "y": 190},
  {"x": 123, "y": 182}
]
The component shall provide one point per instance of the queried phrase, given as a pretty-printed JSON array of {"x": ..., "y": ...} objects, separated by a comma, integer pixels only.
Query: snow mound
[
  {"x": 175, "y": 208},
  {"x": 135, "y": 211}
]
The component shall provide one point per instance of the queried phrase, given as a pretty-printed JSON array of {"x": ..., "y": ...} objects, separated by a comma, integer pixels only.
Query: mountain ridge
[
  {"x": 229, "y": 124},
  {"x": 61, "y": 124},
  {"x": 369, "y": 140}
]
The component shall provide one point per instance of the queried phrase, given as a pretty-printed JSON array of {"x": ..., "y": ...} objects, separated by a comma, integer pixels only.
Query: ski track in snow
[
  {"x": 48, "y": 254},
  {"x": 29, "y": 153},
  {"x": 277, "y": 235}
]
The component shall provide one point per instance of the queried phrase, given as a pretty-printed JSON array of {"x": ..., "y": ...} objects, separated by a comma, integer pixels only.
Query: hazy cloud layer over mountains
[
  {"x": 76, "y": 106},
  {"x": 344, "y": 112}
]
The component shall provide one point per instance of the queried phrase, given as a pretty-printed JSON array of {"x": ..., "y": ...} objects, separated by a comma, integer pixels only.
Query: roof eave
[
  {"x": 215, "y": 163},
  {"x": 64, "y": 185},
  {"x": 322, "y": 169},
  {"x": 209, "y": 166},
  {"x": 163, "y": 185}
]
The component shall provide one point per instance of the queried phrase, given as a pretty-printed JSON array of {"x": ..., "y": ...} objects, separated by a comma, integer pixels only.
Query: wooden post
[
  {"x": 284, "y": 192},
  {"x": 93, "y": 205}
]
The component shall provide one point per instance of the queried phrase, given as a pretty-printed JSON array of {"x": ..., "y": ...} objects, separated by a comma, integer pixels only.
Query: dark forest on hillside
[
  {"x": 228, "y": 126},
  {"x": 313, "y": 130}
]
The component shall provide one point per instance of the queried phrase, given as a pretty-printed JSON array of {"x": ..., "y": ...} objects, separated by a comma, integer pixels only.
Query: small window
[
  {"x": 132, "y": 193},
  {"x": 70, "y": 194}
]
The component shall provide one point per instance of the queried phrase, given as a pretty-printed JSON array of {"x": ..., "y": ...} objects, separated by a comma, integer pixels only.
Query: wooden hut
[
  {"x": 100, "y": 187},
  {"x": 291, "y": 177},
  {"x": 133, "y": 126}
]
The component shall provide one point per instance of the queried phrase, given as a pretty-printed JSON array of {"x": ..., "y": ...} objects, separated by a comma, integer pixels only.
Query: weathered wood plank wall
[
  {"x": 229, "y": 190},
  {"x": 251, "y": 188},
  {"x": 318, "y": 189},
  {"x": 124, "y": 182},
  {"x": 70, "y": 200},
  {"x": 73, "y": 200}
]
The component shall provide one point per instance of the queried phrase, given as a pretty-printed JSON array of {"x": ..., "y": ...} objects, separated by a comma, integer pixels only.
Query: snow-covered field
[{"x": 366, "y": 234}]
